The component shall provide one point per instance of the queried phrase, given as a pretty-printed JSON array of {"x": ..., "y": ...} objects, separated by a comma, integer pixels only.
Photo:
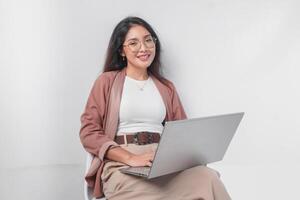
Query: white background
[{"x": 223, "y": 57}]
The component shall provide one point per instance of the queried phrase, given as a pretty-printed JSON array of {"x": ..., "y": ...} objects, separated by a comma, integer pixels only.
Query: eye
[
  {"x": 132, "y": 43},
  {"x": 149, "y": 40}
]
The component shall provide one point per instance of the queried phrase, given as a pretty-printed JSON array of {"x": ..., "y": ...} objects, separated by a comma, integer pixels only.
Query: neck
[{"x": 136, "y": 73}]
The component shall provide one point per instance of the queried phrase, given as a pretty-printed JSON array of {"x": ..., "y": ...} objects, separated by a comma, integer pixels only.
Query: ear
[{"x": 122, "y": 52}]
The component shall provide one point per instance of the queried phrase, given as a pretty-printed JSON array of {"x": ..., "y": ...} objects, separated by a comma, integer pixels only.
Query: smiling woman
[
  {"x": 134, "y": 45},
  {"x": 130, "y": 97},
  {"x": 139, "y": 50}
]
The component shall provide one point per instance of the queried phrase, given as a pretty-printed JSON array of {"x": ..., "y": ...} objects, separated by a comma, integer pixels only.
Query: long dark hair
[{"x": 114, "y": 60}]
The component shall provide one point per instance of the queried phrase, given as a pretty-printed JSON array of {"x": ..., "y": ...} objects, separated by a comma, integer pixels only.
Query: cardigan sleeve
[
  {"x": 92, "y": 134},
  {"x": 177, "y": 107}
]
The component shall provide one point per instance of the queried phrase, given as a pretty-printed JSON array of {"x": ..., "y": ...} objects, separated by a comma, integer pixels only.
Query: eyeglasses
[{"x": 135, "y": 45}]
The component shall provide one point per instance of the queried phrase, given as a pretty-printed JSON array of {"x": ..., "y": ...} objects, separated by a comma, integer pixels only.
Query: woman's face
[{"x": 139, "y": 47}]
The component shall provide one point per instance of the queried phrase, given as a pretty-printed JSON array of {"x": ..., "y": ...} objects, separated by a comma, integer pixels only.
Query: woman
[{"x": 132, "y": 96}]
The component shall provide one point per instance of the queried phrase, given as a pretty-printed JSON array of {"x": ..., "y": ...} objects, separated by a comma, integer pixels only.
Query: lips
[{"x": 144, "y": 57}]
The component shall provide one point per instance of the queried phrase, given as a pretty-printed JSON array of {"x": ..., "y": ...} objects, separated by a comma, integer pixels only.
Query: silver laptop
[{"x": 188, "y": 143}]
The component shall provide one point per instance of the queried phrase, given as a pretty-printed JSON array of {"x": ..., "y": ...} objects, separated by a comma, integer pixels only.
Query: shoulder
[
  {"x": 106, "y": 78},
  {"x": 104, "y": 82},
  {"x": 168, "y": 84}
]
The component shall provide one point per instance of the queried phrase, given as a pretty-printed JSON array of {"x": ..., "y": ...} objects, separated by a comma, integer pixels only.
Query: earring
[{"x": 123, "y": 57}]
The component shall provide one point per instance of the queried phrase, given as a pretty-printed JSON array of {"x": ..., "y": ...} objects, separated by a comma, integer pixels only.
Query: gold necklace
[
  {"x": 142, "y": 86},
  {"x": 138, "y": 82}
]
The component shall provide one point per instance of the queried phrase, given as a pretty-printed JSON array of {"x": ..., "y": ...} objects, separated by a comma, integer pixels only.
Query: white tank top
[{"x": 140, "y": 109}]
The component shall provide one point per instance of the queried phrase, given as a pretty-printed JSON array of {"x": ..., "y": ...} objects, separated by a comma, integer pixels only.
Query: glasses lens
[
  {"x": 136, "y": 45},
  {"x": 149, "y": 42}
]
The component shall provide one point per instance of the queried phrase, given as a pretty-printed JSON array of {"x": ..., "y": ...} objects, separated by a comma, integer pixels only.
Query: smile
[{"x": 144, "y": 57}]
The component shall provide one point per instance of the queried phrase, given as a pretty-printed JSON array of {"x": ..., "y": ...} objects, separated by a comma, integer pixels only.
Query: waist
[{"x": 139, "y": 138}]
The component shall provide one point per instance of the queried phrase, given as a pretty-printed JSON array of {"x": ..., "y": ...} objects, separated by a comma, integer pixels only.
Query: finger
[
  {"x": 151, "y": 158},
  {"x": 149, "y": 164},
  {"x": 148, "y": 156},
  {"x": 153, "y": 152},
  {"x": 148, "y": 153}
]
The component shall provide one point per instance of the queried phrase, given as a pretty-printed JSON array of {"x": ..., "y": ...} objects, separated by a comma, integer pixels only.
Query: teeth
[{"x": 144, "y": 57}]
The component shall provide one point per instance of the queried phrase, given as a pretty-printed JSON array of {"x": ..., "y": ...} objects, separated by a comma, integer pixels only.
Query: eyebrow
[{"x": 137, "y": 39}]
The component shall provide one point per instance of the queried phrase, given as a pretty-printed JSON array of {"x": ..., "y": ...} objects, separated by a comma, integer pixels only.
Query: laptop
[{"x": 188, "y": 143}]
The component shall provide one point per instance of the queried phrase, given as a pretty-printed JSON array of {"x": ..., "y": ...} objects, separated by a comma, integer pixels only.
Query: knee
[{"x": 207, "y": 172}]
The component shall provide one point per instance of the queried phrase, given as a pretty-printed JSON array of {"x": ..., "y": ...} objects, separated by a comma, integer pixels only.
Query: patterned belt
[{"x": 139, "y": 138}]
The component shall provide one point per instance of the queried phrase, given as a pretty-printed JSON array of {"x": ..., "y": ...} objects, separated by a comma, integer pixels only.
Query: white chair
[{"x": 87, "y": 190}]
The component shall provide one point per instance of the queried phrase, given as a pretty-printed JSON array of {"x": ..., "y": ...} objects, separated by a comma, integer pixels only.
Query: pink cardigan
[{"x": 99, "y": 121}]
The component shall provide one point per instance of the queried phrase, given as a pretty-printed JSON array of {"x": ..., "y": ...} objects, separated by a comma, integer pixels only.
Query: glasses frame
[{"x": 140, "y": 43}]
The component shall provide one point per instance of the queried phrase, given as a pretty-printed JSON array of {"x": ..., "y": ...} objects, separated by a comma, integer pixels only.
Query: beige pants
[{"x": 195, "y": 183}]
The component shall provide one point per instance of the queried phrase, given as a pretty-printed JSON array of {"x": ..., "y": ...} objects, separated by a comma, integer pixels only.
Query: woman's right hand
[{"x": 141, "y": 160}]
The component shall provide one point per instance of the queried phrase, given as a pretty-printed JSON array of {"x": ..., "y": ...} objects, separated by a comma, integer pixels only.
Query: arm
[
  {"x": 121, "y": 155},
  {"x": 92, "y": 135},
  {"x": 177, "y": 107}
]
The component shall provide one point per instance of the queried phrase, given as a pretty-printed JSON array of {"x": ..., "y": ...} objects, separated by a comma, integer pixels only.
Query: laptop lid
[{"x": 191, "y": 142}]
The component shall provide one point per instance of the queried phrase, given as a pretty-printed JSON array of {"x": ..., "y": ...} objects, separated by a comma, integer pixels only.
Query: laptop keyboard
[{"x": 139, "y": 170}]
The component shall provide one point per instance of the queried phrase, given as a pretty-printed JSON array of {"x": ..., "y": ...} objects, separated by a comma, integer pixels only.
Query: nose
[{"x": 143, "y": 46}]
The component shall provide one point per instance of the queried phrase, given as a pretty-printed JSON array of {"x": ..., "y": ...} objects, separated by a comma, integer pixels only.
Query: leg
[{"x": 205, "y": 183}]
